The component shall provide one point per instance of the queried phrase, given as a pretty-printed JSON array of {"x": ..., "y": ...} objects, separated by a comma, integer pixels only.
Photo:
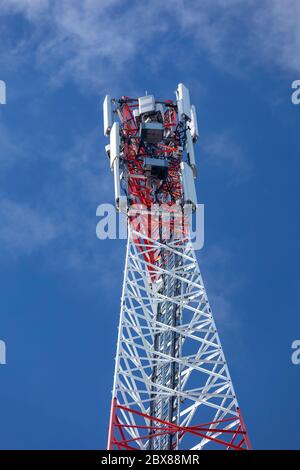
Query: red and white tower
[{"x": 172, "y": 388}]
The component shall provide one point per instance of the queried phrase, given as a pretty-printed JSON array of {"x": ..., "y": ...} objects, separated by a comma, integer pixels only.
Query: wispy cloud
[
  {"x": 223, "y": 284},
  {"x": 88, "y": 41},
  {"x": 277, "y": 34},
  {"x": 93, "y": 42},
  {"x": 223, "y": 151},
  {"x": 240, "y": 34},
  {"x": 76, "y": 179},
  {"x": 24, "y": 229},
  {"x": 59, "y": 221},
  {"x": 9, "y": 148},
  {"x": 83, "y": 180}
]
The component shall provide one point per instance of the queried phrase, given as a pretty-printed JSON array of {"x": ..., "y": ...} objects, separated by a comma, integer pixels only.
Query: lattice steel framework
[{"x": 172, "y": 388}]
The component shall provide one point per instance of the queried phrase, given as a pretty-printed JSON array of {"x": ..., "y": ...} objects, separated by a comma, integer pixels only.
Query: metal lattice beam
[{"x": 202, "y": 390}]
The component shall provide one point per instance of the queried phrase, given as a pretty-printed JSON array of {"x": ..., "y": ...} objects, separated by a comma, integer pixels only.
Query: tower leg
[{"x": 112, "y": 420}]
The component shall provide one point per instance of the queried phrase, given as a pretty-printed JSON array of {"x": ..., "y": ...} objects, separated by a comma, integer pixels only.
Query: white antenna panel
[{"x": 107, "y": 115}]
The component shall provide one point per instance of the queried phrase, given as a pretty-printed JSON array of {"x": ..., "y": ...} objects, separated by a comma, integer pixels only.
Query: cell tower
[{"x": 172, "y": 389}]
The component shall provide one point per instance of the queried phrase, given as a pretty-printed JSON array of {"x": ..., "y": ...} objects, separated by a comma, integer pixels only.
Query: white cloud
[
  {"x": 88, "y": 41},
  {"x": 85, "y": 166},
  {"x": 222, "y": 284},
  {"x": 61, "y": 209},
  {"x": 277, "y": 33},
  {"x": 84, "y": 181},
  {"x": 223, "y": 151},
  {"x": 9, "y": 148},
  {"x": 31, "y": 8},
  {"x": 94, "y": 41},
  {"x": 24, "y": 229},
  {"x": 237, "y": 34}
]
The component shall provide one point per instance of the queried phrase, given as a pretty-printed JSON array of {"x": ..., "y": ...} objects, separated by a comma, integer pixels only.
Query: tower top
[{"x": 151, "y": 149}]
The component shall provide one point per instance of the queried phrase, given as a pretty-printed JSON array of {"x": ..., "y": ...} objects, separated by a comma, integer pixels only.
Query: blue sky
[{"x": 60, "y": 286}]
